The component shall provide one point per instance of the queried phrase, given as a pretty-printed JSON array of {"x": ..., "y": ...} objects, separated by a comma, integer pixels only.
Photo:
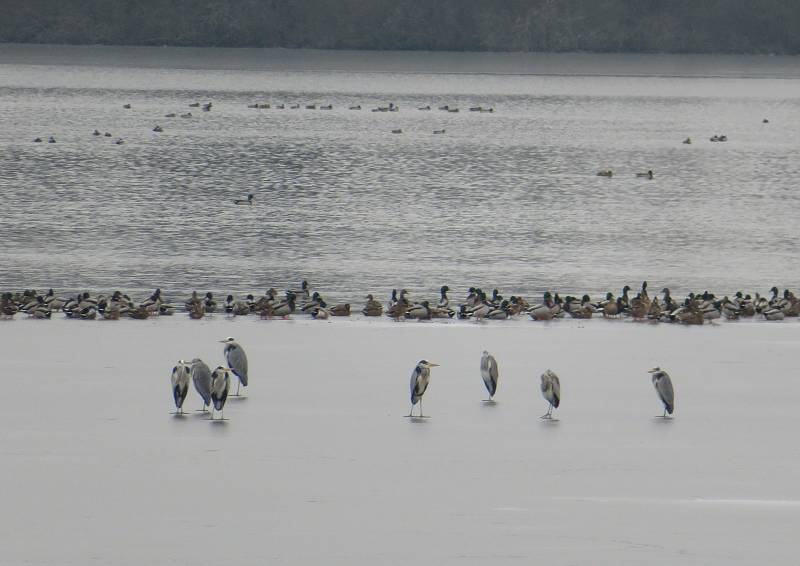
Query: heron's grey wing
[
  {"x": 413, "y": 385},
  {"x": 201, "y": 377},
  {"x": 556, "y": 383},
  {"x": 237, "y": 361},
  {"x": 494, "y": 372},
  {"x": 219, "y": 400},
  {"x": 666, "y": 393}
]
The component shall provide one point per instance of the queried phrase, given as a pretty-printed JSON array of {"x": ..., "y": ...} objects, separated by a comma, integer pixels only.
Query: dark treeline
[{"x": 678, "y": 26}]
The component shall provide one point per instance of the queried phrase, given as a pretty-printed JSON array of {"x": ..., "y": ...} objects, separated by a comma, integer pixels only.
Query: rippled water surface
[{"x": 508, "y": 199}]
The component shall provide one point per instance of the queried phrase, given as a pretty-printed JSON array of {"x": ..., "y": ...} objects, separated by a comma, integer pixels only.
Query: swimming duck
[
  {"x": 439, "y": 131},
  {"x": 247, "y": 201},
  {"x": 424, "y": 108},
  {"x": 419, "y": 311},
  {"x": 397, "y": 131},
  {"x": 328, "y": 107},
  {"x": 605, "y": 173},
  {"x": 158, "y": 129},
  {"x": 356, "y": 107},
  {"x": 96, "y": 133},
  {"x": 170, "y": 115},
  {"x": 687, "y": 141},
  {"x": 648, "y": 175},
  {"x": 126, "y": 106},
  {"x": 207, "y": 107}
]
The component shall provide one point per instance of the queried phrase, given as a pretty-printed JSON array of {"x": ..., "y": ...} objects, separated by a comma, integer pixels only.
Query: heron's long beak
[
  {"x": 433, "y": 365},
  {"x": 653, "y": 370}
]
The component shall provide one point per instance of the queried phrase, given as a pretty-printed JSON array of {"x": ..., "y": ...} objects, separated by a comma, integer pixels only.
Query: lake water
[{"x": 508, "y": 199}]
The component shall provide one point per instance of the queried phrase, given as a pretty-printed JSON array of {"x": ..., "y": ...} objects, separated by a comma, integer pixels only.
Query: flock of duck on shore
[{"x": 695, "y": 308}]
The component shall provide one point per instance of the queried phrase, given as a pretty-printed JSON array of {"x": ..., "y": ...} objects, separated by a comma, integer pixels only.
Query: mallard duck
[
  {"x": 209, "y": 304},
  {"x": 247, "y": 201},
  {"x": 373, "y": 307},
  {"x": 419, "y": 311},
  {"x": 648, "y": 175},
  {"x": 340, "y": 310},
  {"x": 285, "y": 308},
  {"x": 424, "y": 108},
  {"x": 605, "y": 173},
  {"x": 158, "y": 129},
  {"x": 356, "y": 107}
]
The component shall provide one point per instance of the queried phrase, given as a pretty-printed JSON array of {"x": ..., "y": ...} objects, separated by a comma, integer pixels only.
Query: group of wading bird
[
  {"x": 694, "y": 309},
  {"x": 550, "y": 385},
  {"x": 214, "y": 386}
]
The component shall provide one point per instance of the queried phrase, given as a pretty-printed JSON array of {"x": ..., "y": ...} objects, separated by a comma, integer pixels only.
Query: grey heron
[
  {"x": 663, "y": 385},
  {"x": 220, "y": 385},
  {"x": 489, "y": 373},
  {"x": 237, "y": 361},
  {"x": 181, "y": 375},
  {"x": 201, "y": 378},
  {"x": 419, "y": 383},
  {"x": 551, "y": 391}
]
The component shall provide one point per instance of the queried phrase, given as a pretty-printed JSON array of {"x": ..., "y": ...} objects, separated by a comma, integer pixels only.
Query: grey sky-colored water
[{"x": 508, "y": 199}]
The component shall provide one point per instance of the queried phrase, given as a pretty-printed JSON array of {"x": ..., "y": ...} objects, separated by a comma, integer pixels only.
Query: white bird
[
  {"x": 220, "y": 385},
  {"x": 201, "y": 378},
  {"x": 663, "y": 385},
  {"x": 551, "y": 391},
  {"x": 419, "y": 383},
  {"x": 181, "y": 374},
  {"x": 489, "y": 373},
  {"x": 237, "y": 361}
]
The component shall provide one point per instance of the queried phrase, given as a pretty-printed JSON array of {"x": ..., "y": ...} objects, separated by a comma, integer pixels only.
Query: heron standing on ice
[
  {"x": 201, "y": 378},
  {"x": 220, "y": 385},
  {"x": 663, "y": 385},
  {"x": 181, "y": 374},
  {"x": 551, "y": 391},
  {"x": 419, "y": 384},
  {"x": 489, "y": 373},
  {"x": 237, "y": 361}
]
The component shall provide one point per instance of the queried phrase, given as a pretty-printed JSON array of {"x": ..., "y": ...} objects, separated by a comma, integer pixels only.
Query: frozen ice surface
[{"x": 317, "y": 465}]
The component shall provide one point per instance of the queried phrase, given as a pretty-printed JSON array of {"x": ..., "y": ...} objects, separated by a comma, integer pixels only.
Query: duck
[
  {"x": 209, "y": 304},
  {"x": 51, "y": 139},
  {"x": 279, "y": 106},
  {"x": 247, "y": 201},
  {"x": 187, "y": 115},
  {"x": 475, "y": 109},
  {"x": 500, "y": 312},
  {"x": 294, "y": 107},
  {"x": 452, "y": 110},
  {"x": 311, "y": 106},
  {"x": 444, "y": 108},
  {"x": 439, "y": 131},
  {"x": 424, "y": 108},
  {"x": 397, "y": 131},
  {"x": 605, "y": 173},
  {"x": 486, "y": 110},
  {"x": 119, "y": 141},
  {"x": 356, "y": 107},
  {"x": 96, "y": 133},
  {"x": 207, "y": 107},
  {"x": 419, "y": 311},
  {"x": 170, "y": 115},
  {"x": 648, "y": 175},
  {"x": 687, "y": 141},
  {"x": 285, "y": 308},
  {"x": 545, "y": 310},
  {"x": 158, "y": 129},
  {"x": 327, "y": 107},
  {"x": 194, "y": 105},
  {"x": 398, "y": 304},
  {"x": 126, "y": 106},
  {"x": 373, "y": 307},
  {"x": 37, "y": 140}
]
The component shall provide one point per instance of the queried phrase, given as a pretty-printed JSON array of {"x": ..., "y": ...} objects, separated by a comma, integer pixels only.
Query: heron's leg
[
  {"x": 411, "y": 412},
  {"x": 420, "y": 407},
  {"x": 237, "y": 389}
]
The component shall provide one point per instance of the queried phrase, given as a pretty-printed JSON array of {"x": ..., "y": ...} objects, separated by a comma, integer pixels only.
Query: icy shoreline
[{"x": 318, "y": 465}]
